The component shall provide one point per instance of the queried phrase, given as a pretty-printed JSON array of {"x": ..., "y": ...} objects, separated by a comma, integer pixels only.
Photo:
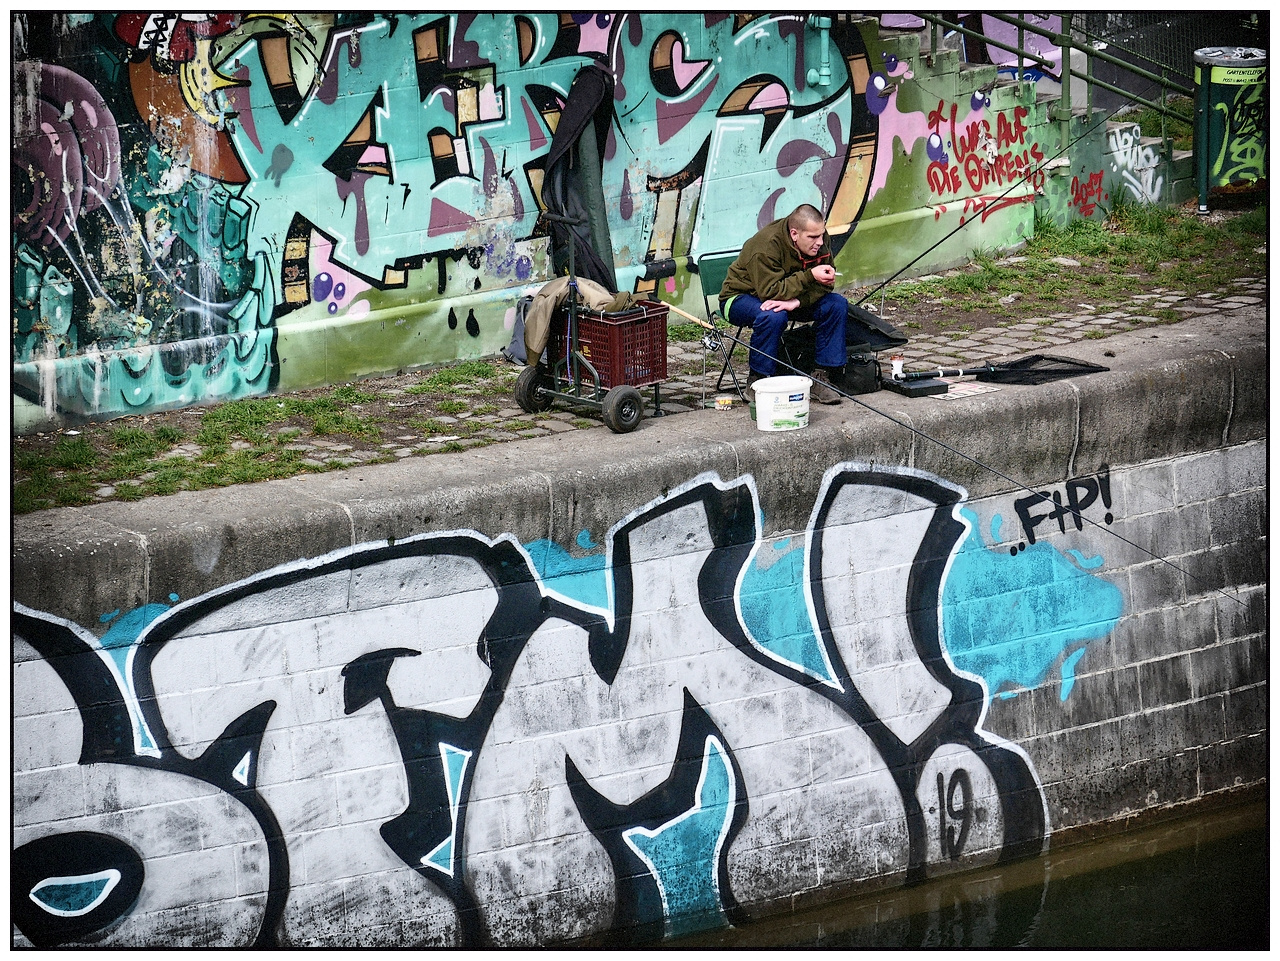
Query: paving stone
[
  {"x": 1244, "y": 300},
  {"x": 1066, "y": 262},
  {"x": 556, "y": 426},
  {"x": 312, "y": 462},
  {"x": 534, "y": 432},
  {"x": 499, "y": 435}
]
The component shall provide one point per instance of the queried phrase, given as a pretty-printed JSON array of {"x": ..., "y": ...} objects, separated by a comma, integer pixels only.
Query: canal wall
[
  {"x": 609, "y": 688},
  {"x": 214, "y": 206}
]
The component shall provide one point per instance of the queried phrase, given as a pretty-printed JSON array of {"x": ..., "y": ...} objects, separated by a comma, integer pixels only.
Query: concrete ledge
[{"x": 1194, "y": 386}]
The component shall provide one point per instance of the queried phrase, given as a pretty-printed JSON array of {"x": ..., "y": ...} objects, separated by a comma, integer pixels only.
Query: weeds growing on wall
[
  {"x": 1179, "y": 132},
  {"x": 469, "y": 404}
]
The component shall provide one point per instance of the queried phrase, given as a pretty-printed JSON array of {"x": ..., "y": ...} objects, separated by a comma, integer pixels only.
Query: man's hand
[
  {"x": 787, "y": 305},
  {"x": 824, "y": 274}
]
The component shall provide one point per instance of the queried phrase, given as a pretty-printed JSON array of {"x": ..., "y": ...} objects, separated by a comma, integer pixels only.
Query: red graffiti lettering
[
  {"x": 986, "y": 206},
  {"x": 1085, "y": 196},
  {"x": 937, "y": 117},
  {"x": 983, "y": 161},
  {"x": 943, "y": 177},
  {"x": 1008, "y": 134}
]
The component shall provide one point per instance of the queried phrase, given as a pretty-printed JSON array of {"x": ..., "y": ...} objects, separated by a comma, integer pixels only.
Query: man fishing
[{"x": 784, "y": 273}]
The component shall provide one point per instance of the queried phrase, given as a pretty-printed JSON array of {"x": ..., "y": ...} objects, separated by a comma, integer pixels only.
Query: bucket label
[{"x": 789, "y": 414}]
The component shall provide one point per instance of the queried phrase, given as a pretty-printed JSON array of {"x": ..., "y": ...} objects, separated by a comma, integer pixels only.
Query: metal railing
[{"x": 1067, "y": 42}]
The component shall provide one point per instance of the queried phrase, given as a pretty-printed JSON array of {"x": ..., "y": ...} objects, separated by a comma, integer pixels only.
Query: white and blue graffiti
[{"x": 485, "y": 742}]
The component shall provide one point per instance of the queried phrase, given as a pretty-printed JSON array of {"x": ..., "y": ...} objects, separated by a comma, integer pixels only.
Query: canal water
[{"x": 1200, "y": 882}]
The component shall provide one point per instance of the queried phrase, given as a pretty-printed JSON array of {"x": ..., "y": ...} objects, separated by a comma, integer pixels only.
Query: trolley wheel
[
  {"x": 622, "y": 409},
  {"x": 531, "y": 387}
]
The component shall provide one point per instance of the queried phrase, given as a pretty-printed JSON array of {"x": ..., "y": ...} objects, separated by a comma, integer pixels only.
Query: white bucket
[{"x": 782, "y": 403}]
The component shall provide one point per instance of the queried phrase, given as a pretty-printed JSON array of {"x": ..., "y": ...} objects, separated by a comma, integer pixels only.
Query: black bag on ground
[
  {"x": 861, "y": 373},
  {"x": 864, "y": 327}
]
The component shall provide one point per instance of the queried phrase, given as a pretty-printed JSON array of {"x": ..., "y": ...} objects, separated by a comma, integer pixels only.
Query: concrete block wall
[{"x": 614, "y": 688}]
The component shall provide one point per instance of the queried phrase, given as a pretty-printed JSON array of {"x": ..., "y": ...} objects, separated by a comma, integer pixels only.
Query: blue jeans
[{"x": 828, "y": 316}]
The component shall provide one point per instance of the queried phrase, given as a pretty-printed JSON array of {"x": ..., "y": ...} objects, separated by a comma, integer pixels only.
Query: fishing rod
[
  {"x": 1013, "y": 186},
  {"x": 717, "y": 335}
]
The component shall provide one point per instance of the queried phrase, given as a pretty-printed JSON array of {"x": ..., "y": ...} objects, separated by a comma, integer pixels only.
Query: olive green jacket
[{"x": 770, "y": 267}]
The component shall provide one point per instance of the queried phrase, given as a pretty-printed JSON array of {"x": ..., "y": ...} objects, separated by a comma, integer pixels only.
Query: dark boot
[
  {"x": 749, "y": 390},
  {"x": 823, "y": 392}
]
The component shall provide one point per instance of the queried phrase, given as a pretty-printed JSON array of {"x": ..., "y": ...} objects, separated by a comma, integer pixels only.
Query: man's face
[{"x": 808, "y": 239}]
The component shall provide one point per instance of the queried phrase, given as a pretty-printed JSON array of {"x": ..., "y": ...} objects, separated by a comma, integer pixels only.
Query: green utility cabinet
[{"x": 1230, "y": 139}]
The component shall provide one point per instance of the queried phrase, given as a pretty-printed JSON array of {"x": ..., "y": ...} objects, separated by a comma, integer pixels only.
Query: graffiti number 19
[{"x": 951, "y": 839}]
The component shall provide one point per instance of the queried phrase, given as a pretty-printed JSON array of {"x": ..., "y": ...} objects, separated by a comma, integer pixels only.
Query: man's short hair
[{"x": 803, "y": 216}]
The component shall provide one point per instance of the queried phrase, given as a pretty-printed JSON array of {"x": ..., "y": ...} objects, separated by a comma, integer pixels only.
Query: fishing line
[{"x": 1041, "y": 496}]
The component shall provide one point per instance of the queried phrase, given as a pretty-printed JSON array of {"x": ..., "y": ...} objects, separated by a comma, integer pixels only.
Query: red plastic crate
[{"x": 628, "y": 347}]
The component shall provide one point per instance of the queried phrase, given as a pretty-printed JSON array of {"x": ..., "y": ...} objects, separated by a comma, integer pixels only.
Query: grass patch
[
  {"x": 447, "y": 378},
  {"x": 1180, "y": 132},
  {"x": 688, "y": 333}
]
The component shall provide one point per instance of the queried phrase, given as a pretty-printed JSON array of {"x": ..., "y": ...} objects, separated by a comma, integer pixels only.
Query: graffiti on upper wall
[
  {"x": 208, "y": 206},
  {"x": 1088, "y": 194},
  {"x": 194, "y": 184},
  {"x": 1137, "y": 163},
  {"x": 460, "y": 740}
]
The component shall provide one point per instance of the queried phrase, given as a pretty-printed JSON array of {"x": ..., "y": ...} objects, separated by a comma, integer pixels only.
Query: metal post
[
  {"x": 1088, "y": 77},
  {"x": 1064, "y": 71},
  {"x": 1164, "y": 120},
  {"x": 1202, "y": 73}
]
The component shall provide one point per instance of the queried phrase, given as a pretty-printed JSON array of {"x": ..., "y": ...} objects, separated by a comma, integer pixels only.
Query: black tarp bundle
[{"x": 571, "y": 186}]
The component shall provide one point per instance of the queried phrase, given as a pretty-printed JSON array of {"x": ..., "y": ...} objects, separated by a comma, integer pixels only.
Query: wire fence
[{"x": 1169, "y": 40}]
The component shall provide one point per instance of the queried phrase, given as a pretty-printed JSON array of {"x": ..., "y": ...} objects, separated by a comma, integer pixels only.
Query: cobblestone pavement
[
  {"x": 1037, "y": 334},
  {"x": 481, "y": 418}
]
